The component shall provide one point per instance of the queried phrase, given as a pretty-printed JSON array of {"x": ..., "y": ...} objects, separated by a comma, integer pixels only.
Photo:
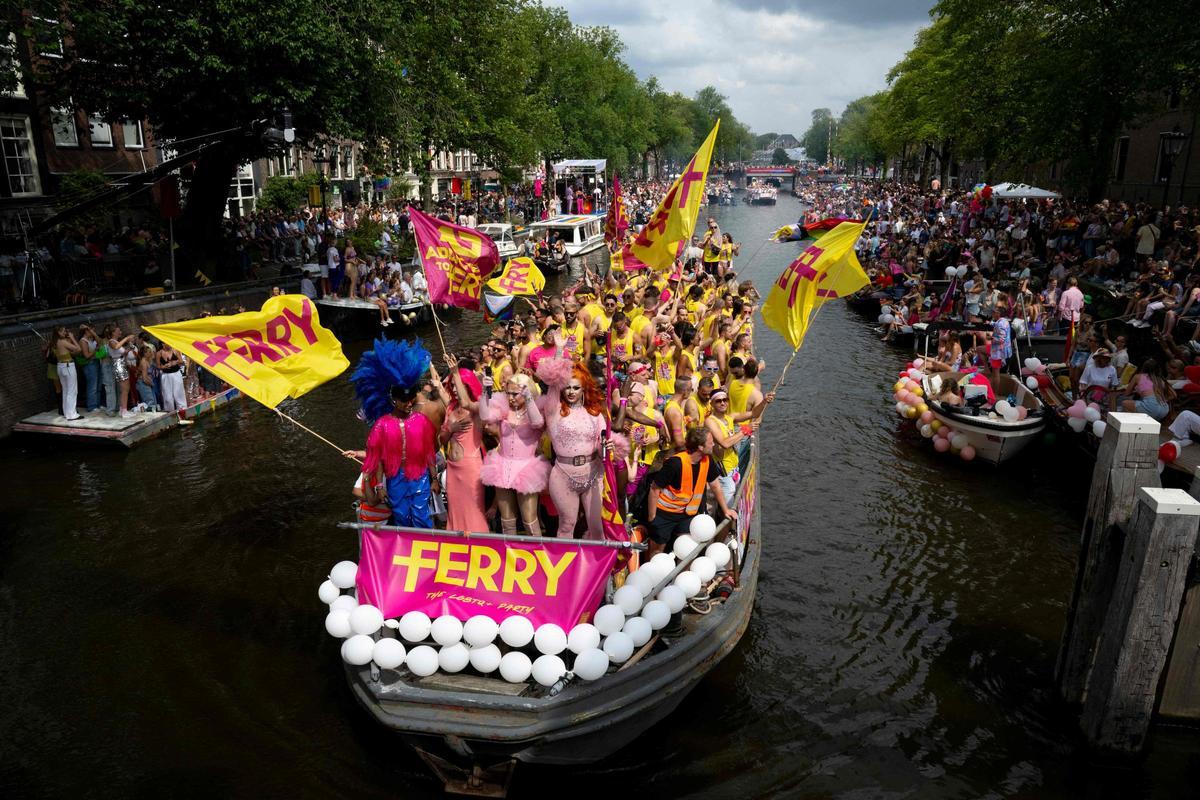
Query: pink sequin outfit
[
  {"x": 577, "y": 434},
  {"x": 397, "y": 444},
  {"x": 514, "y": 464}
]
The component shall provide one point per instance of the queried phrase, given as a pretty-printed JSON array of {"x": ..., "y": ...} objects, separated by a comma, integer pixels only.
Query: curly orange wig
[{"x": 593, "y": 399}]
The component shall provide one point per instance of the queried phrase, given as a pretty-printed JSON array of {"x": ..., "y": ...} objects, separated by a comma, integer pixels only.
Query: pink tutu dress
[{"x": 514, "y": 464}]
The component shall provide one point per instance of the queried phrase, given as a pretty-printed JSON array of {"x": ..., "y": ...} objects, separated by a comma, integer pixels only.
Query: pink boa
[
  {"x": 387, "y": 440},
  {"x": 620, "y": 445},
  {"x": 555, "y": 371}
]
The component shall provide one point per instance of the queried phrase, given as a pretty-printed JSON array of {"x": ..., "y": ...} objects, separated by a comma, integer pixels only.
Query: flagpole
[
  {"x": 341, "y": 450},
  {"x": 437, "y": 323}
]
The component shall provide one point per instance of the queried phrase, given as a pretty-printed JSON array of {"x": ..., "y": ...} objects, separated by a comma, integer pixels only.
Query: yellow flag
[
  {"x": 827, "y": 269},
  {"x": 675, "y": 218},
  {"x": 280, "y": 351},
  {"x": 520, "y": 277}
]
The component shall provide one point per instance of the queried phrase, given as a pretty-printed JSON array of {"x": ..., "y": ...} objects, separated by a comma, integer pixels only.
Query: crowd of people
[{"x": 513, "y": 433}]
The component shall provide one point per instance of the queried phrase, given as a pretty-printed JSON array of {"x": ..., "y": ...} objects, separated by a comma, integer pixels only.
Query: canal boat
[
  {"x": 507, "y": 237},
  {"x": 764, "y": 196},
  {"x": 473, "y": 729},
  {"x": 348, "y": 316},
  {"x": 580, "y": 234},
  {"x": 994, "y": 438}
]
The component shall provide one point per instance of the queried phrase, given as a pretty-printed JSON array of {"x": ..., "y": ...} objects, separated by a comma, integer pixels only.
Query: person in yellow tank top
[
  {"x": 625, "y": 346},
  {"x": 676, "y": 417},
  {"x": 575, "y": 335},
  {"x": 664, "y": 369},
  {"x": 601, "y": 323},
  {"x": 728, "y": 433},
  {"x": 500, "y": 368},
  {"x": 739, "y": 387}
]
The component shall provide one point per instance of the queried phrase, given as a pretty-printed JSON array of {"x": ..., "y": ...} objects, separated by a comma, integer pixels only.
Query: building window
[
  {"x": 1121, "y": 159},
  {"x": 335, "y": 162},
  {"x": 100, "y": 132},
  {"x": 1162, "y": 169},
  {"x": 65, "y": 132},
  {"x": 131, "y": 132},
  {"x": 8, "y": 52},
  {"x": 20, "y": 161},
  {"x": 47, "y": 37},
  {"x": 348, "y": 161}
]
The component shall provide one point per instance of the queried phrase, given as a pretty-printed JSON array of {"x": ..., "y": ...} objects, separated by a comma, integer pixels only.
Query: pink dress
[
  {"x": 464, "y": 492},
  {"x": 514, "y": 464}
]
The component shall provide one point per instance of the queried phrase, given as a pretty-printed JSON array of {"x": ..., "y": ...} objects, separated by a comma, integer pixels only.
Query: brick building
[{"x": 42, "y": 143}]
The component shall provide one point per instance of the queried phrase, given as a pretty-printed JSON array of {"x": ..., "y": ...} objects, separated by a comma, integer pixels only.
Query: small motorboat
[{"x": 996, "y": 439}]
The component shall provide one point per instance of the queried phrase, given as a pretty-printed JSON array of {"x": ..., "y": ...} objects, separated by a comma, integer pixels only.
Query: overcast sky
[{"x": 776, "y": 60}]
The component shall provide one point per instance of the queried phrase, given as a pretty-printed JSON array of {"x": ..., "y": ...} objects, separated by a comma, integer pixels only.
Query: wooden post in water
[
  {"x": 1181, "y": 686},
  {"x": 1126, "y": 462},
  {"x": 1132, "y": 650}
]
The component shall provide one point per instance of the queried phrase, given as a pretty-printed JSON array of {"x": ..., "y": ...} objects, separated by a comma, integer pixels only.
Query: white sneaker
[
  {"x": 127, "y": 414},
  {"x": 383, "y": 323}
]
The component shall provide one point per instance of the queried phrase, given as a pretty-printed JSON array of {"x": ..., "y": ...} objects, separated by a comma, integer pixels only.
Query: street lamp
[
  {"x": 321, "y": 157},
  {"x": 1172, "y": 142}
]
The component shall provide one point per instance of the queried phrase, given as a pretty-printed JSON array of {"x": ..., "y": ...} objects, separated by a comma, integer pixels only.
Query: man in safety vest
[{"x": 677, "y": 490}]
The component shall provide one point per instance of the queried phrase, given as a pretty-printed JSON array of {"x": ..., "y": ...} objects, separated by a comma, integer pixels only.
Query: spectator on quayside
[{"x": 64, "y": 347}]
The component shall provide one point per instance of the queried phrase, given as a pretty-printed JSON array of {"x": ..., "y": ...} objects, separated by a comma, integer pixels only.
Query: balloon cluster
[
  {"x": 1010, "y": 413},
  {"x": 1080, "y": 415},
  {"x": 946, "y": 439},
  {"x": 982, "y": 191},
  {"x": 450, "y": 645},
  {"x": 908, "y": 394},
  {"x": 956, "y": 272}
]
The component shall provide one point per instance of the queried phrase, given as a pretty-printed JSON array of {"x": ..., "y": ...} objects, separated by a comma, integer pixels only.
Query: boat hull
[{"x": 993, "y": 445}]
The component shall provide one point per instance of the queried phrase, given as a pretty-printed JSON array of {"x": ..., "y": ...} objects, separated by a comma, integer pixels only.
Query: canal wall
[{"x": 24, "y": 386}]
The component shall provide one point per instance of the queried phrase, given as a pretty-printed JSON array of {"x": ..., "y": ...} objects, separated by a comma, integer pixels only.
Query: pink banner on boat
[{"x": 559, "y": 582}]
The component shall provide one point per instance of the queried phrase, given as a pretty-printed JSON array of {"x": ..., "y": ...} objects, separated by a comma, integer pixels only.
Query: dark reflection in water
[{"x": 160, "y": 631}]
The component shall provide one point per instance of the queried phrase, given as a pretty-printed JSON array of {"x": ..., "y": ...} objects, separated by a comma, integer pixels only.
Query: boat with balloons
[{"x": 491, "y": 683}]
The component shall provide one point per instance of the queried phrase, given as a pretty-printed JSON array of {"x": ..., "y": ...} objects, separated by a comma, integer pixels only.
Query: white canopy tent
[
  {"x": 1022, "y": 191},
  {"x": 588, "y": 173}
]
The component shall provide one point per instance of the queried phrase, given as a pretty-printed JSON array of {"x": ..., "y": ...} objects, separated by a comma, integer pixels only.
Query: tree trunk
[
  {"x": 1106, "y": 140},
  {"x": 923, "y": 179},
  {"x": 944, "y": 162},
  {"x": 201, "y": 240},
  {"x": 425, "y": 177}
]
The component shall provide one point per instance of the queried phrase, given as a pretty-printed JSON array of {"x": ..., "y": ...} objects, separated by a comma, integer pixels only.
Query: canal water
[{"x": 160, "y": 632}]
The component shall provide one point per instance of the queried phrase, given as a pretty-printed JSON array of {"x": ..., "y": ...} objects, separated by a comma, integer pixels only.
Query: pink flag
[
  {"x": 544, "y": 581},
  {"x": 457, "y": 259},
  {"x": 610, "y": 505}
]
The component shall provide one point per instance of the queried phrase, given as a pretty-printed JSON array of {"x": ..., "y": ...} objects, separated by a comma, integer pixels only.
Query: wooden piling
[
  {"x": 1140, "y": 624},
  {"x": 1126, "y": 462},
  {"x": 1181, "y": 687}
]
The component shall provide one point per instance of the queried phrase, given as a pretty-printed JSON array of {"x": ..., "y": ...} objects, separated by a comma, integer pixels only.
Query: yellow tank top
[
  {"x": 728, "y": 455},
  {"x": 739, "y": 395},
  {"x": 709, "y": 256},
  {"x": 664, "y": 372},
  {"x": 702, "y": 409},
  {"x": 573, "y": 340},
  {"x": 638, "y": 325},
  {"x": 673, "y": 403},
  {"x": 646, "y": 435},
  {"x": 592, "y": 310},
  {"x": 622, "y": 346},
  {"x": 497, "y": 374},
  {"x": 602, "y": 323},
  {"x": 727, "y": 252}
]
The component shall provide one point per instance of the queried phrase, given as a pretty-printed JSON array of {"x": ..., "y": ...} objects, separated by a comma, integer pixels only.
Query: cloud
[{"x": 775, "y": 60}]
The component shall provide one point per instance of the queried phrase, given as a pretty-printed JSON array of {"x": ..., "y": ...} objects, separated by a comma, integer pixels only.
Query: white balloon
[
  {"x": 1032, "y": 383},
  {"x": 704, "y": 568},
  {"x": 388, "y": 653},
  {"x": 414, "y": 626},
  {"x": 591, "y": 664},
  {"x": 703, "y": 528},
  {"x": 358, "y": 649},
  {"x": 638, "y": 629},
  {"x": 344, "y": 603},
  {"x": 719, "y": 553},
  {"x": 1098, "y": 428},
  {"x": 657, "y": 570},
  {"x": 643, "y": 579},
  {"x": 480, "y": 630},
  {"x": 628, "y": 599},
  {"x": 1011, "y": 414},
  {"x": 958, "y": 441},
  {"x": 689, "y": 582},
  {"x": 926, "y": 432},
  {"x": 1076, "y": 424},
  {"x": 683, "y": 546},
  {"x": 549, "y": 639},
  {"x": 619, "y": 647},
  {"x": 485, "y": 659},
  {"x": 583, "y": 636},
  {"x": 609, "y": 619},
  {"x": 515, "y": 667},
  {"x": 887, "y": 319},
  {"x": 548, "y": 669},
  {"x": 337, "y": 623},
  {"x": 516, "y": 632},
  {"x": 422, "y": 661},
  {"x": 1034, "y": 363},
  {"x": 343, "y": 574},
  {"x": 1090, "y": 414},
  {"x": 674, "y": 597},
  {"x": 366, "y": 619},
  {"x": 1002, "y": 407},
  {"x": 454, "y": 658},
  {"x": 328, "y": 592},
  {"x": 951, "y": 272},
  {"x": 664, "y": 558},
  {"x": 447, "y": 630},
  {"x": 657, "y": 613},
  {"x": 962, "y": 271}
]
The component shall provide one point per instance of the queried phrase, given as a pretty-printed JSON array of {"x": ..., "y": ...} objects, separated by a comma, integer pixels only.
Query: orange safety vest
[{"x": 691, "y": 488}]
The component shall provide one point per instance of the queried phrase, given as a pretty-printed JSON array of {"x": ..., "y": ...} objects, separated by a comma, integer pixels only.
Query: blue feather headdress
[{"x": 389, "y": 364}]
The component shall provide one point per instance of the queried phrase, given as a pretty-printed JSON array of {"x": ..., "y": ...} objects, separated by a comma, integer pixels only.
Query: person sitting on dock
[{"x": 1099, "y": 378}]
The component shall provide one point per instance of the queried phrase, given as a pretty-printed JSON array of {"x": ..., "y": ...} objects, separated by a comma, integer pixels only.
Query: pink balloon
[
  {"x": 1040, "y": 369},
  {"x": 967, "y": 453},
  {"x": 898, "y": 396},
  {"x": 941, "y": 444},
  {"x": 1077, "y": 410},
  {"x": 1095, "y": 406},
  {"x": 927, "y": 418},
  {"x": 1022, "y": 412}
]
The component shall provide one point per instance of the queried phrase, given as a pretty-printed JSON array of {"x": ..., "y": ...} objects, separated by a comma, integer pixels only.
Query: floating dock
[{"x": 99, "y": 427}]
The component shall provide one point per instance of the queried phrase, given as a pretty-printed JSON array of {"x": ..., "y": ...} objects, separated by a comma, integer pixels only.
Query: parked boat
[
  {"x": 344, "y": 315},
  {"x": 507, "y": 237},
  {"x": 764, "y": 196},
  {"x": 472, "y": 729},
  {"x": 994, "y": 438},
  {"x": 580, "y": 234}
]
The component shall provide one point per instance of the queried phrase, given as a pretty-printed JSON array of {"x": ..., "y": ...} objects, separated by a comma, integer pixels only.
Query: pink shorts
[{"x": 996, "y": 363}]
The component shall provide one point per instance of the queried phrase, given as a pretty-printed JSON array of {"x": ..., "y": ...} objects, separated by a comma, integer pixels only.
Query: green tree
[
  {"x": 763, "y": 141},
  {"x": 780, "y": 157},
  {"x": 77, "y": 186},
  {"x": 857, "y": 140},
  {"x": 816, "y": 139}
]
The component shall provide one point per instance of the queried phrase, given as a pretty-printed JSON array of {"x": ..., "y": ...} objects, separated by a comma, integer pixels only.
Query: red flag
[
  {"x": 616, "y": 222},
  {"x": 624, "y": 260},
  {"x": 457, "y": 259},
  {"x": 610, "y": 505}
]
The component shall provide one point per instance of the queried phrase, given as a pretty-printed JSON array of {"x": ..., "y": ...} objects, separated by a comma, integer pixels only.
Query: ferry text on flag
[
  {"x": 521, "y": 278},
  {"x": 457, "y": 259},
  {"x": 674, "y": 220},
  {"x": 824, "y": 271},
  {"x": 277, "y": 352}
]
